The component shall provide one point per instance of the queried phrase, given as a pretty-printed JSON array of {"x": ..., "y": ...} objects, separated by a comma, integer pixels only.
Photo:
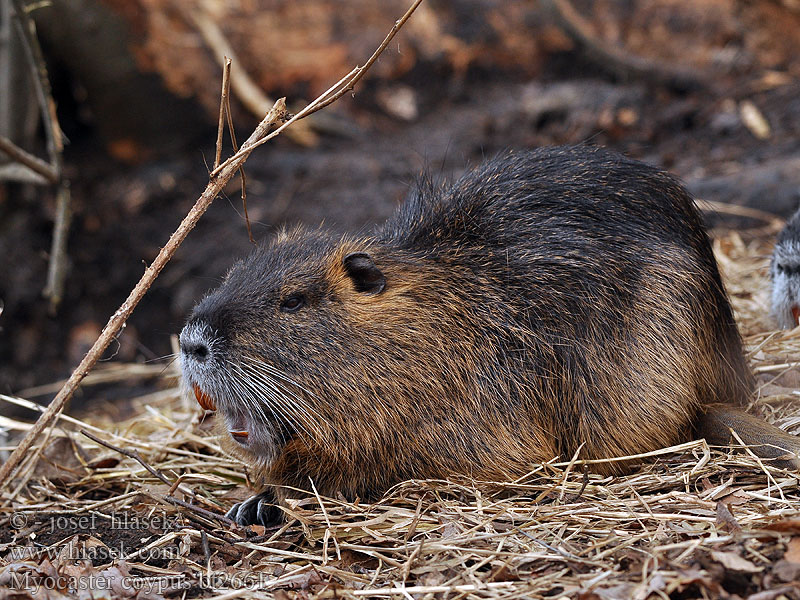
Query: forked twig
[
  {"x": 41, "y": 84},
  {"x": 52, "y": 171},
  {"x": 116, "y": 321}
]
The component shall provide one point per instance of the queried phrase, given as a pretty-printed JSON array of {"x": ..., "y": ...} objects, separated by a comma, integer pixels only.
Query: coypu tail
[{"x": 766, "y": 441}]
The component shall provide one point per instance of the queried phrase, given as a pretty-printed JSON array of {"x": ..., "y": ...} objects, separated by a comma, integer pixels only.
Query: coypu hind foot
[{"x": 546, "y": 301}]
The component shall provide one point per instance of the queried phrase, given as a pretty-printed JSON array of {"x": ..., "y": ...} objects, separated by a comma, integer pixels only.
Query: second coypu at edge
[{"x": 546, "y": 300}]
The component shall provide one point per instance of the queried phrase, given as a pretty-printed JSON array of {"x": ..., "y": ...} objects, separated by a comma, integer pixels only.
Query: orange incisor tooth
[
  {"x": 203, "y": 399},
  {"x": 240, "y": 434}
]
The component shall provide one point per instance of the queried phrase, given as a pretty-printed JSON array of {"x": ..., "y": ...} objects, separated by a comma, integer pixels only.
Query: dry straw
[{"x": 693, "y": 522}]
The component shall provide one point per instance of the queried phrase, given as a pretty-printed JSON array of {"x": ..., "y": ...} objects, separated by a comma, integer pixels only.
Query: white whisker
[{"x": 265, "y": 384}]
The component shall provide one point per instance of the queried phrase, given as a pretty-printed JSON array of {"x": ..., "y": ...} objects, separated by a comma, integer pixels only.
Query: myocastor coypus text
[
  {"x": 785, "y": 272},
  {"x": 547, "y": 299}
]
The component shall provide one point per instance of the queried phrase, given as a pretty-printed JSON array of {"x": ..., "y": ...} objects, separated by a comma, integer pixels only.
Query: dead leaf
[
  {"x": 450, "y": 530},
  {"x": 735, "y": 498},
  {"x": 786, "y": 571},
  {"x": 734, "y": 562},
  {"x": 725, "y": 519},
  {"x": 792, "y": 553},
  {"x": 692, "y": 577},
  {"x": 503, "y": 573},
  {"x": 59, "y": 461}
]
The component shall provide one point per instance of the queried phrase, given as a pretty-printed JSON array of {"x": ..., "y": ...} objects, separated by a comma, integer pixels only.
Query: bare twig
[
  {"x": 739, "y": 211},
  {"x": 200, "y": 511},
  {"x": 6, "y": 62},
  {"x": 21, "y": 174},
  {"x": 130, "y": 454},
  {"x": 206, "y": 549},
  {"x": 218, "y": 178},
  {"x": 34, "y": 163},
  {"x": 223, "y": 103},
  {"x": 57, "y": 267}
]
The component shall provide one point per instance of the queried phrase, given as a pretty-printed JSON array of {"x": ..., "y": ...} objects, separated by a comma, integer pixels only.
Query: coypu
[
  {"x": 784, "y": 270},
  {"x": 545, "y": 300}
]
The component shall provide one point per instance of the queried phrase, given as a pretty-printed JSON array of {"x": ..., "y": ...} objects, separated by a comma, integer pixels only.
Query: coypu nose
[
  {"x": 195, "y": 343},
  {"x": 197, "y": 351}
]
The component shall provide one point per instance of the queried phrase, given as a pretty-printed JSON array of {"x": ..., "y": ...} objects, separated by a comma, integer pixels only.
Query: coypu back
[
  {"x": 603, "y": 232},
  {"x": 546, "y": 301}
]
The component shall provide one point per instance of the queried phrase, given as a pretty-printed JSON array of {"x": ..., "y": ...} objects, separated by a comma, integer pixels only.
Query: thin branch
[
  {"x": 6, "y": 62},
  {"x": 34, "y": 163},
  {"x": 223, "y": 103},
  {"x": 134, "y": 454},
  {"x": 217, "y": 180},
  {"x": 14, "y": 171},
  {"x": 336, "y": 91},
  {"x": 57, "y": 267},
  {"x": 200, "y": 511}
]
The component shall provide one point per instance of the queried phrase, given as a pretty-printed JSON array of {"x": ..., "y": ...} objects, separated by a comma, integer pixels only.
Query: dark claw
[{"x": 257, "y": 510}]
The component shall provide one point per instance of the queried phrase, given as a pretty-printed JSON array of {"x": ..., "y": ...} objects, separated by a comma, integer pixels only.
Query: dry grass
[{"x": 693, "y": 522}]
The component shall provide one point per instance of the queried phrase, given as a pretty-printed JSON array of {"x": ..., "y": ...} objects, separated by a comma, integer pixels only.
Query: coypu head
[
  {"x": 785, "y": 273},
  {"x": 260, "y": 348}
]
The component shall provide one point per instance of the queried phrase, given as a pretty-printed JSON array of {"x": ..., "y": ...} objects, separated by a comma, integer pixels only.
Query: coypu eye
[{"x": 293, "y": 303}]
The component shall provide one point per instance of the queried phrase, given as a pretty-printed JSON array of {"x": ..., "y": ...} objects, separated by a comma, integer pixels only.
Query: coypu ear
[{"x": 365, "y": 275}]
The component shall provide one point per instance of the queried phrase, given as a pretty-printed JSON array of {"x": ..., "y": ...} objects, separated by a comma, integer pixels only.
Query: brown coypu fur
[{"x": 547, "y": 299}]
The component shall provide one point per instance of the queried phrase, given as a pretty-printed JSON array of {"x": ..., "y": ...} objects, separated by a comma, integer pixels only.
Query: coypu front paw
[{"x": 257, "y": 510}]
